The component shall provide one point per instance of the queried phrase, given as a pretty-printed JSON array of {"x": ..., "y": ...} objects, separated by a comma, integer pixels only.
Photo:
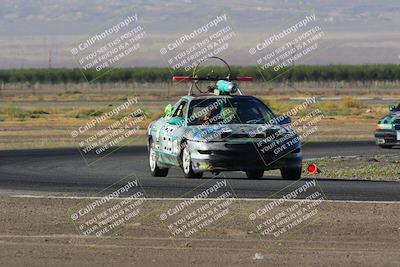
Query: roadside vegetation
[
  {"x": 40, "y": 107},
  {"x": 157, "y": 74},
  {"x": 23, "y": 125},
  {"x": 365, "y": 168},
  {"x": 16, "y": 111},
  {"x": 347, "y": 106}
]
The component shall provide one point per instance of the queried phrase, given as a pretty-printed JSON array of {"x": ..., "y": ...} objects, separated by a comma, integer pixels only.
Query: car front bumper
[
  {"x": 242, "y": 156},
  {"x": 387, "y": 137}
]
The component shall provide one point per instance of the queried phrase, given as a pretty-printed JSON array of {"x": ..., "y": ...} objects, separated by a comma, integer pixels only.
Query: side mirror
[
  {"x": 176, "y": 121},
  {"x": 168, "y": 110},
  {"x": 392, "y": 108},
  {"x": 285, "y": 120}
]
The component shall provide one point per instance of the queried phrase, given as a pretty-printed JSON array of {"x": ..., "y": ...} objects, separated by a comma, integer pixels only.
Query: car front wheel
[
  {"x": 187, "y": 164},
  {"x": 154, "y": 169},
  {"x": 291, "y": 173},
  {"x": 254, "y": 174}
]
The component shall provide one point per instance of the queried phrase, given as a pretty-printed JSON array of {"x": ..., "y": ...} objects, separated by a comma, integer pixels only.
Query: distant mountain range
[{"x": 356, "y": 32}]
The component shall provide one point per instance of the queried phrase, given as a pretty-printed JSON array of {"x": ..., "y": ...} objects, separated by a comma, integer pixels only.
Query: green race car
[
  {"x": 387, "y": 131},
  {"x": 220, "y": 131}
]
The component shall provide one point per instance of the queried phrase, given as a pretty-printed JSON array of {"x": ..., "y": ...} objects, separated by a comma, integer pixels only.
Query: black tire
[
  {"x": 255, "y": 174},
  {"x": 187, "y": 164},
  {"x": 291, "y": 173},
  {"x": 154, "y": 169},
  {"x": 386, "y": 146}
]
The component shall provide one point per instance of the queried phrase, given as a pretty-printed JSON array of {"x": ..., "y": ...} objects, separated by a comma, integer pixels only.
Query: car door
[{"x": 170, "y": 135}]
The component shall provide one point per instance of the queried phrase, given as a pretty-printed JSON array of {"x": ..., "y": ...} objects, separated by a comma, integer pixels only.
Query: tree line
[{"x": 388, "y": 72}]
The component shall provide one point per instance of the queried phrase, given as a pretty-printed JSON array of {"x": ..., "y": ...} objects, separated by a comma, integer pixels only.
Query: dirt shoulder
[{"x": 40, "y": 232}]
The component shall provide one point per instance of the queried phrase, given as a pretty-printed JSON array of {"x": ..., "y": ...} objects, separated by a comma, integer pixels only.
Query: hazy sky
[{"x": 353, "y": 31}]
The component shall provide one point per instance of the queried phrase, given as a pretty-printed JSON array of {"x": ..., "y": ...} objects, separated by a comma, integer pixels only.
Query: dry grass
[
  {"x": 35, "y": 117},
  {"x": 157, "y": 91}
]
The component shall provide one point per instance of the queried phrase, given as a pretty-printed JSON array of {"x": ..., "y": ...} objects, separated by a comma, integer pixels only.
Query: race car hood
[{"x": 214, "y": 133}]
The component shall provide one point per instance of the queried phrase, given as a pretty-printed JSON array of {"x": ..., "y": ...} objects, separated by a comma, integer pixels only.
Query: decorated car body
[
  {"x": 387, "y": 130},
  {"x": 219, "y": 130}
]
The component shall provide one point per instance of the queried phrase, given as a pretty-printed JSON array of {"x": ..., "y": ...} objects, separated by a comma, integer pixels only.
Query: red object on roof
[{"x": 187, "y": 78}]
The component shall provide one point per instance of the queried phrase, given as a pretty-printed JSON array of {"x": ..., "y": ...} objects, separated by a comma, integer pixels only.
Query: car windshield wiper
[{"x": 253, "y": 121}]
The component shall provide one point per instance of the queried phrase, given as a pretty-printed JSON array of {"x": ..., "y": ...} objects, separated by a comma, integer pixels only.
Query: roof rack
[{"x": 220, "y": 87}]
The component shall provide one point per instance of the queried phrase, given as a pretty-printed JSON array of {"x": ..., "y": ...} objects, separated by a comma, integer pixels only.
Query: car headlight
[{"x": 386, "y": 126}]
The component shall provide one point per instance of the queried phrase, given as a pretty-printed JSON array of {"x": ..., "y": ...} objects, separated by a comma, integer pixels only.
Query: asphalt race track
[{"x": 65, "y": 171}]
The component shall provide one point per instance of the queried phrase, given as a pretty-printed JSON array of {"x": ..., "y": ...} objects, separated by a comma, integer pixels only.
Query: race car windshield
[{"x": 228, "y": 111}]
